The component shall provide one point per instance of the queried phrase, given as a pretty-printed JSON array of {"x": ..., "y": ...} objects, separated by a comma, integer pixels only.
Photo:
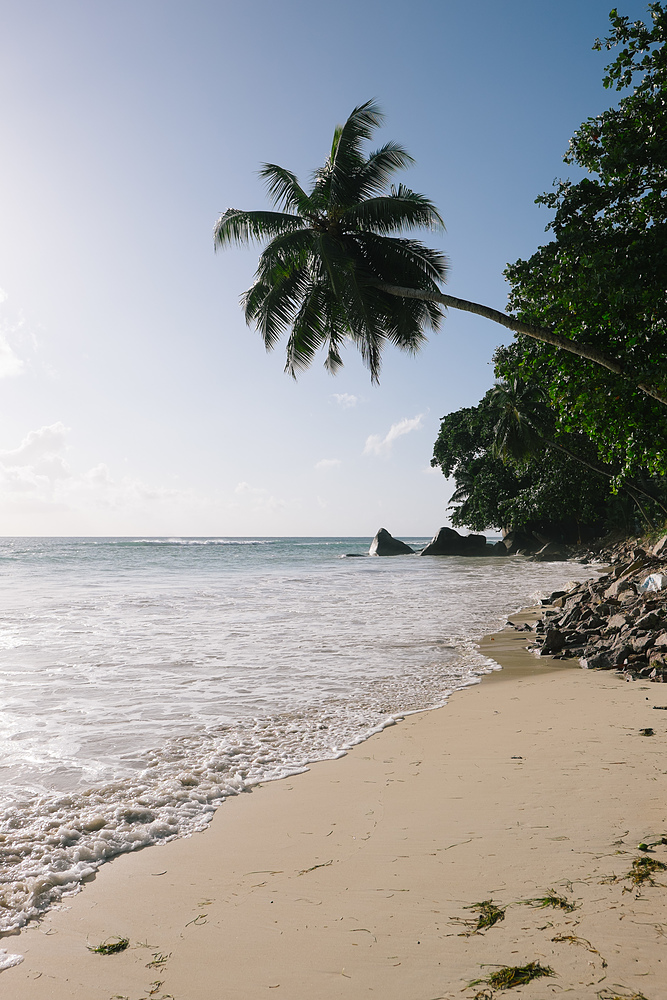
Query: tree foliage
[
  {"x": 603, "y": 277},
  {"x": 335, "y": 268},
  {"x": 330, "y": 248},
  {"x": 511, "y": 471}
]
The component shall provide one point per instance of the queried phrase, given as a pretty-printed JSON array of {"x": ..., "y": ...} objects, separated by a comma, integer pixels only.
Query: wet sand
[{"x": 350, "y": 880}]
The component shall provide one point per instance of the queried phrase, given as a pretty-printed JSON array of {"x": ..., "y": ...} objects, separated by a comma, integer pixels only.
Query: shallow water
[{"x": 144, "y": 680}]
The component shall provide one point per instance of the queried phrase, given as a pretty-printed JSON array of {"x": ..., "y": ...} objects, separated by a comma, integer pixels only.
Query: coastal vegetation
[
  {"x": 558, "y": 438},
  {"x": 574, "y": 434}
]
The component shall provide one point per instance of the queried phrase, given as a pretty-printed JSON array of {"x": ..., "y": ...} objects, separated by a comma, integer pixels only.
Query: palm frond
[
  {"x": 272, "y": 302},
  {"x": 347, "y": 152},
  {"x": 393, "y": 214},
  {"x": 284, "y": 189},
  {"x": 308, "y": 331},
  {"x": 238, "y": 227},
  {"x": 403, "y": 262},
  {"x": 373, "y": 176}
]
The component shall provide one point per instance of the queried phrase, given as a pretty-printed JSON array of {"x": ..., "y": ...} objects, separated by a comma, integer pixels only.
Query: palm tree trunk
[{"x": 542, "y": 334}]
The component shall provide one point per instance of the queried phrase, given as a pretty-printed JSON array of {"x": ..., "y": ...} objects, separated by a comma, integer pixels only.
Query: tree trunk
[{"x": 543, "y": 334}]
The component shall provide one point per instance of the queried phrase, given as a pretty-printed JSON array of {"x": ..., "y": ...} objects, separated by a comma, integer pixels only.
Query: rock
[
  {"x": 660, "y": 548},
  {"x": 499, "y": 549},
  {"x": 598, "y": 661},
  {"x": 661, "y": 640},
  {"x": 448, "y": 542},
  {"x": 554, "y": 641},
  {"x": 552, "y": 598},
  {"x": 516, "y": 542},
  {"x": 640, "y": 644},
  {"x": 475, "y": 545},
  {"x": 616, "y": 623},
  {"x": 385, "y": 544},
  {"x": 551, "y": 552},
  {"x": 649, "y": 621},
  {"x": 620, "y": 587}
]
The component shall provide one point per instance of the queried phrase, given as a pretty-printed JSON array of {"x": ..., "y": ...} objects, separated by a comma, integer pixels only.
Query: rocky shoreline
[{"x": 615, "y": 622}]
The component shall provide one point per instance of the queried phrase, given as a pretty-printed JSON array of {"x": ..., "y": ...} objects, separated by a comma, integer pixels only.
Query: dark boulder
[
  {"x": 475, "y": 545},
  {"x": 385, "y": 544},
  {"x": 554, "y": 641},
  {"x": 551, "y": 552},
  {"x": 448, "y": 542},
  {"x": 519, "y": 543},
  {"x": 598, "y": 661}
]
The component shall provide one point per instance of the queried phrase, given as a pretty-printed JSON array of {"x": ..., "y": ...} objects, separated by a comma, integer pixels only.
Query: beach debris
[
  {"x": 573, "y": 939},
  {"x": 642, "y": 871},
  {"x": 325, "y": 864},
  {"x": 654, "y": 581},
  {"x": 158, "y": 960},
  {"x": 551, "y": 898},
  {"x": 647, "y": 732},
  {"x": 488, "y": 914},
  {"x": 112, "y": 946},
  {"x": 613, "y": 994},
  {"x": 509, "y": 976}
]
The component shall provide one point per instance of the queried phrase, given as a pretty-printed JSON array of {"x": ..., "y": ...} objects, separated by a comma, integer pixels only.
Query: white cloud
[
  {"x": 328, "y": 463},
  {"x": 36, "y": 473},
  {"x": 345, "y": 400},
  {"x": 378, "y": 445}
]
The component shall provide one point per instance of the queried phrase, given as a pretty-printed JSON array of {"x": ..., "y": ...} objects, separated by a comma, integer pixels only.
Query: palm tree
[
  {"x": 524, "y": 428},
  {"x": 335, "y": 269}
]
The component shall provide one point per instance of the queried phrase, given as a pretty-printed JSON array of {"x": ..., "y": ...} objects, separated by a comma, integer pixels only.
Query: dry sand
[{"x": 348, "y": 880}]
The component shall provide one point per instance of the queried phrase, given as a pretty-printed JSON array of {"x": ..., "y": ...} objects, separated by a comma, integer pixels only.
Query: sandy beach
[{"x": 354, "y": 878}]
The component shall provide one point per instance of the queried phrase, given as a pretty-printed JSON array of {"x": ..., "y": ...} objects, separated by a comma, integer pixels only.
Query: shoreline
[{"x": 344, "y": 880}]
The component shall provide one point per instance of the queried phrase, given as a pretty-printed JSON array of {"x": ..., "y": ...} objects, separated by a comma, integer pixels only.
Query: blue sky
[{"x": 133, "y": 398}]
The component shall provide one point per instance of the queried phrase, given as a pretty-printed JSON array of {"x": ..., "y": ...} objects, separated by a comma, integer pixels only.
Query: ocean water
[{"x": 146, "y": 680}]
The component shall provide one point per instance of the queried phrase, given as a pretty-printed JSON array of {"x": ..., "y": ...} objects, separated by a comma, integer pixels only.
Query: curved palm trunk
[{"x": 543, "y": 334}]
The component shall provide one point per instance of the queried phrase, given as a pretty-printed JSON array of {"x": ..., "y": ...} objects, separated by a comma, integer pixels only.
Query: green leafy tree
[
  {"x": 603, "y": 277},
  {"x": 334, "y": 266},
  {"x": 509, "y": 472}
]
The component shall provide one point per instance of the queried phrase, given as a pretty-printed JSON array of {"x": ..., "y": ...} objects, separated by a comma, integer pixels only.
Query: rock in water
[
  {"x": 385, "y": 544},
  {"x": 448, "y": 542}
]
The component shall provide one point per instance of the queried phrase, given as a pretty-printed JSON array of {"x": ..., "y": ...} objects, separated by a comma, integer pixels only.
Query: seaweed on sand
[
  {"x": 551, "y": 898},
  {"x": 612, "y": 994},
  {"x": 111, "y": 946},
  {"x": 573, "y": 939},
  {"x": 509, "y": 976},
  {"x": 643, "y": 869},
  {"x": 488, "y": 915}
]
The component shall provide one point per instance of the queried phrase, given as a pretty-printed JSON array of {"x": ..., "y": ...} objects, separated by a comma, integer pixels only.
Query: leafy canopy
[
  {"x": 330, "y": 248},
  {"x": 508, "y": 474},
  {"x": 603, "y": 277}
]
